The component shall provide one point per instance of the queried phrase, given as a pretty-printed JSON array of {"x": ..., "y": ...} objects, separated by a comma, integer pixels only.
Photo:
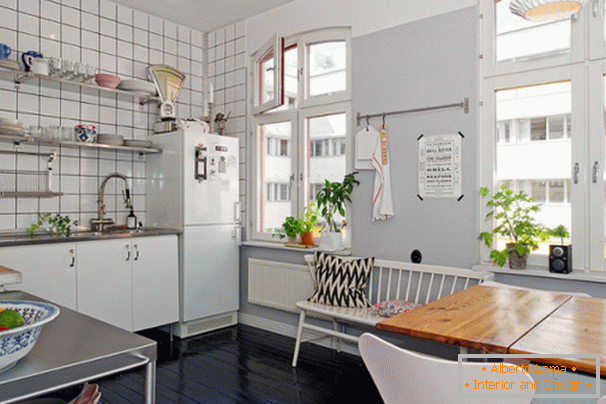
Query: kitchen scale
[{"x": 168, "y": 82}]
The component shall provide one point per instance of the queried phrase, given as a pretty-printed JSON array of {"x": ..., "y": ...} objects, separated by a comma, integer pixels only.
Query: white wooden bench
[{"x": 418, "y": 283}]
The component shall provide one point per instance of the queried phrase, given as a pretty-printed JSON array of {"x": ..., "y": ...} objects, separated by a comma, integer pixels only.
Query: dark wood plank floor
[{"x": 243, "y": 364}]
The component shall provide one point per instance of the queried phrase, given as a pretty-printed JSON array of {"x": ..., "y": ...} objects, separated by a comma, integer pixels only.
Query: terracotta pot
[
  {"x": 307, "y": 238},
  {"x": 515, "y": 260}
]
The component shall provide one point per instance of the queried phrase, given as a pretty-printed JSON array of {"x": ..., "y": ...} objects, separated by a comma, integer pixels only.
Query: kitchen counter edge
[{"x": 23, "y": 239}]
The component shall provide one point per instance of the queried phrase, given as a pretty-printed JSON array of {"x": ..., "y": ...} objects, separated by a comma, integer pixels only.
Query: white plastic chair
[
  {"x": 402, "y": 376},
  {"x": 504, "y": 285}
]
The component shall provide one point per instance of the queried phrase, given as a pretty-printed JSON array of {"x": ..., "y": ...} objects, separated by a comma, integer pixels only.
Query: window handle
[
  {"x": 575, "y": 173},
  {"x": 596, "y": 169},
  {"x": 595, "y": 6},
  {"x": 73, "y": 258}
]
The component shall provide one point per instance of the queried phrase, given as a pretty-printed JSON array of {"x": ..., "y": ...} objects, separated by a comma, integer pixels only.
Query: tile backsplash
[
  {"x": 118, "y": 40},
  {"x": 227, "y": 70}
]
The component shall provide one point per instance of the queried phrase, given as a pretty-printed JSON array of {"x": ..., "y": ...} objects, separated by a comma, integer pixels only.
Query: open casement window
[
  {"x": 314, "y": 68},
  {"x": 268, "y": 76},
  {"x": 304, "y": 141}
]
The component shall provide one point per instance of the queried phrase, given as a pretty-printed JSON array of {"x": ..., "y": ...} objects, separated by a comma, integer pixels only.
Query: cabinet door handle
[
  {"x": 596, "y": 170},
  {"x": 127, "y": 252},
  {"x": 73, "y": 261},
  {"x": 136, "y": 247},
  {"x": 575, "y": 173}
]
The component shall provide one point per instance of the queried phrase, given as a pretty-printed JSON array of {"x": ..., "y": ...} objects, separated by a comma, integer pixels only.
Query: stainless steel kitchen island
[{"x": 75, "y": 348}]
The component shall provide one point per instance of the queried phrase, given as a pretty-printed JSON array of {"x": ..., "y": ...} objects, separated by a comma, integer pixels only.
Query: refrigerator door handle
[
  {"x": 237, "y": 212},
  {"x": 200, "y": 169}
]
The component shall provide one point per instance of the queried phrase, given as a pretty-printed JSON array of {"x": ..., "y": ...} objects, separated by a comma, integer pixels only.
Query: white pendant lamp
[{"x": 545, "y": 10}]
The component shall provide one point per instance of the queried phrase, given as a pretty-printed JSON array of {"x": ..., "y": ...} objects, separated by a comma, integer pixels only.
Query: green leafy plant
[
  {"x": 290, "y": 228},
  {"x": 513, "y": 214},
  {"x": 333, "y": 197},
  {"x": 57, "y": 224},
  {"x": 310, "y": 218},
  {"x": 561, "y": 231}
]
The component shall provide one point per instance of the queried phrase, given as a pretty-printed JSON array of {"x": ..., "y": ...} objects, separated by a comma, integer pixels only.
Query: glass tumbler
[
  {"x": 54, "y": 67},
  {"x": 67, "y": 69}
]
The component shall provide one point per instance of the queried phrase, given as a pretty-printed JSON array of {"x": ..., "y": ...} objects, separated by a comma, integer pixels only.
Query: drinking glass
[
  {"x": 67, "y": 134},
  {"x": 54, "y": 67},
  {"x": 35, "y": 131},
  {"x": 67, "y": 69},
  {"x": 90, "y": 74},
  {"x": 79, "y": 72}
]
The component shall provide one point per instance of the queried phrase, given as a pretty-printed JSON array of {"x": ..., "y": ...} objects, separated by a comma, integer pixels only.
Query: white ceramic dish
[
  {"x": 115, "y": 140},
  {"x": 139, "y": 86},
  {"x": 137, "y": 143},
  {"x": 17, "y": 342}
]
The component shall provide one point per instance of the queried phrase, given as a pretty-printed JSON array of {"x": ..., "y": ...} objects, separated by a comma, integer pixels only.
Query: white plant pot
[{"x": 331, "y": 241}]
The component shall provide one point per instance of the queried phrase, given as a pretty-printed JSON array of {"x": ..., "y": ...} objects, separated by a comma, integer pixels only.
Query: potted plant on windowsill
[
  {"x": 513, "y": 214},
  {"x": 291, "y": 228},
  {"x": 307, "y": 223},
  {"x": 332, "y": 200}
]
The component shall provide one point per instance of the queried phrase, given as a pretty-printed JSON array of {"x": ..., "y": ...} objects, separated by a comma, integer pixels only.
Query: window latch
[{"x": 575, "y": 173}]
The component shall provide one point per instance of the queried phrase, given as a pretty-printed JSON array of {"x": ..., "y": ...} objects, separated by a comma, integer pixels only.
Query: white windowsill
[
  {"x": 575, "y": 275},
  {"x": 281, "y": 246}
]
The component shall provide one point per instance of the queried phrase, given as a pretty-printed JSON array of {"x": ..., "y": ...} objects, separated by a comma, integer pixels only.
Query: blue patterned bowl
[{"x": 17, "y": 342}]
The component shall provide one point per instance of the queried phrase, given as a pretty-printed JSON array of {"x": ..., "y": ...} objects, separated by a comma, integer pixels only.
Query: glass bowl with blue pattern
[{"x": 16, "y": 342}]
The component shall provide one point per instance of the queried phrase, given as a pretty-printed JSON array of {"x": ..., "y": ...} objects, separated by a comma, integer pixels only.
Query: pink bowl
[{"x": 107, "y": 80}]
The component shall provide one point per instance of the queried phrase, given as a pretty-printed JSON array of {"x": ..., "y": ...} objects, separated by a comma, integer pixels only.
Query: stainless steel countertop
[
  {"x": 22, "y": 238},
  {"x": 71, "y": 349}
]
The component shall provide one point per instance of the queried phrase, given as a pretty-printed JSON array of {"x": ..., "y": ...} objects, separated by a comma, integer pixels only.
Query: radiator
[{"x": 278, "y": 285}]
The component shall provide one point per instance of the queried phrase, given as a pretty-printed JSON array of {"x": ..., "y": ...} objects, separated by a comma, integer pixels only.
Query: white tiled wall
[
  {"x": 227, "y": 70},
  {"x": 120, "y": 41}
]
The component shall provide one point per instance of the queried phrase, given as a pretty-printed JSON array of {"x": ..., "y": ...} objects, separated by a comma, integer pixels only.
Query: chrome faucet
[{"x": 100, "y": 222}]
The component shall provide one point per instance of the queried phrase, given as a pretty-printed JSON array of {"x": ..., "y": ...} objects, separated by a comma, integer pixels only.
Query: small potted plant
[
  {"x": 310, "y": 218},
  {"x": 513, "y": 214},
  {"x": 55, "y": 225},
  {"x": 291, "y": 228},
  {"x": 332, "y": 200}
]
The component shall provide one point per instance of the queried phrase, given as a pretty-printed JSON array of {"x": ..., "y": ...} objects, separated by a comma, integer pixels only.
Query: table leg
[{"x": 150, "y": 383}]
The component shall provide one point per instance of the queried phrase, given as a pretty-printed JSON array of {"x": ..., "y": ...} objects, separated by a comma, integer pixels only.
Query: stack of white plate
[
  {"x": 115, "y": 140},
  {"x": 138, "y": 86},
  {"x": 11, "y": 127}
]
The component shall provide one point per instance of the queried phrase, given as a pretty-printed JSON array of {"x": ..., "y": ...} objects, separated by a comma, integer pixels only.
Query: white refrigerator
[{"x": 193, "y": 185}]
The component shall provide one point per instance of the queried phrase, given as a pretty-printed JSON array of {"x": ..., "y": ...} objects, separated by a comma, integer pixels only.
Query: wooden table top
[
  {"x": 481, "y": 317},
  {"x": 577, "y": 327}
]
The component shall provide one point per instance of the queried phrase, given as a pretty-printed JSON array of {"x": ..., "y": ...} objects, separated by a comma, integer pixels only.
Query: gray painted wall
[{"x": 425, "y": 63}]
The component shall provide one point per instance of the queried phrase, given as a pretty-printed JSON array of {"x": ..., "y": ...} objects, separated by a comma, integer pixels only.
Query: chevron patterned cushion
[{"x": 341, "y": 283}]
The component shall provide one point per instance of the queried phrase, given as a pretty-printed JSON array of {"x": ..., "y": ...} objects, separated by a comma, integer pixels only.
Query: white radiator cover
[{"x": 278, "y": 285}]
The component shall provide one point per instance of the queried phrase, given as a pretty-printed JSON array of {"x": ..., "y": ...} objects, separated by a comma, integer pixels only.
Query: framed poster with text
[{"x": 440, "y": 166}]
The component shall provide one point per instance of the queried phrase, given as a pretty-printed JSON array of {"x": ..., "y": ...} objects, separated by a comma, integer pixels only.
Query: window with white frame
[
  {"x": 542, "y": 121},
  {"x": 300, "y": 137}
]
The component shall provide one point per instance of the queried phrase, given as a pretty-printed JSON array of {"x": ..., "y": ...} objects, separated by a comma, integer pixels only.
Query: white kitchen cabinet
[
  {"x": 155, "y": 278},
  {"x": 132, "y": 283},
  {"x": 104, "y": 282},
  {"x": 47, "y": 271}
]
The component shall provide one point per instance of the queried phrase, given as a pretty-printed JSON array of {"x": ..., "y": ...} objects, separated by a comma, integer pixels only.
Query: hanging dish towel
[
  {"x": 382, "y": 204},
  {"x": 366, "y": 143}
]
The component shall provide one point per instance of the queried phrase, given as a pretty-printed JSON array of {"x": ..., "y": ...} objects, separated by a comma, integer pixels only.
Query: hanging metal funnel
[{"x": 168, "y": 81}]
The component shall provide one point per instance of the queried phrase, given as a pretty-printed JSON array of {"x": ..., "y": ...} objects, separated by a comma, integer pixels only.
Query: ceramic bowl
[
  {"x": 86, "y": 133},
  {"x": 107, "y": 80},
  {"x": 17, "y": 342}
]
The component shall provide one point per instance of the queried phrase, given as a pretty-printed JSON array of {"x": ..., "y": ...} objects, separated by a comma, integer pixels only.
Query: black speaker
[{"x": 560, "y": 258}]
